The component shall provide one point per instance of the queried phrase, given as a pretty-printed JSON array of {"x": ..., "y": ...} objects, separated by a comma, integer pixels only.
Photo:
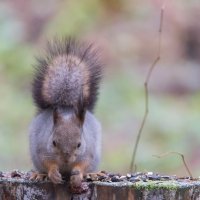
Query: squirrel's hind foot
[{"x": 36, "y": 176}]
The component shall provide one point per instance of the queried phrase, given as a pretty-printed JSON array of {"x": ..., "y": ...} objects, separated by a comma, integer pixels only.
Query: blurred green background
[{"x": 126, "y": 31}]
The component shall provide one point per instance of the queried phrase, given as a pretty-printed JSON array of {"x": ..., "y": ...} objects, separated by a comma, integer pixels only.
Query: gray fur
[
  {"x": 41, "y": 139},
  {"x": 69, "y": 71},
  {"x": 65, "y": 82}
]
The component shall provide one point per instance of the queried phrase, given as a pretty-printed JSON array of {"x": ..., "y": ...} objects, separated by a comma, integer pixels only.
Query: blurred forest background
[{"x": 127, "y": 33}]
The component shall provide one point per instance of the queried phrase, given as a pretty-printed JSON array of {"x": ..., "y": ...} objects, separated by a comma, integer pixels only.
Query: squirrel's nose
[{"x": 67, "y": 154}]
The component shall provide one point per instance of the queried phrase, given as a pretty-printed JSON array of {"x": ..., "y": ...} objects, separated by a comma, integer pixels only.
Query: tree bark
[{"x": 19, "y": 189}]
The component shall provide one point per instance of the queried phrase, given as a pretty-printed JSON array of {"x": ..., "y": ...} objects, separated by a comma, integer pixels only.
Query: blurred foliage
[{"x": 126, "y": 31}]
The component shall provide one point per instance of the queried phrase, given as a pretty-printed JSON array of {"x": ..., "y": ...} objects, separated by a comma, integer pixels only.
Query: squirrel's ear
[
  {"x": 81, "y": 110},
  {"x": 56, "y": 116},
  {"x": 81, "y": 115}
]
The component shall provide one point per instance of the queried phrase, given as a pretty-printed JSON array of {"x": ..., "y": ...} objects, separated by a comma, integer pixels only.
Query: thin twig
[
  {"x": 156, "y": 60},
  {"x": 182, "y": 157}
]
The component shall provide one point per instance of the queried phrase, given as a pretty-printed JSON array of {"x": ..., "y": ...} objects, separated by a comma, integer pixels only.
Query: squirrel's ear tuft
[
  {"x": 81, "y": 110},
  {"x": 56, "y": 116},
  {"x": 81, "y": 115}
]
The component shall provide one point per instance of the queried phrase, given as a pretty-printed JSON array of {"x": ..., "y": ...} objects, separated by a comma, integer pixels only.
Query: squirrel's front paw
[
  {"x": 76, "y": 179},
  {"x": 55, "y": 176}
]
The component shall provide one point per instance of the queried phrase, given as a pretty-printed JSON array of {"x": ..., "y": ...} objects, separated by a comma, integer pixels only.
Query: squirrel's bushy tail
[{"x": 70, "y": 71}]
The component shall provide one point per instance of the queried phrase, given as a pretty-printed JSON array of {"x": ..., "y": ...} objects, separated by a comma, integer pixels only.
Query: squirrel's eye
[
  {"x": 54, "y": 143},
  {"x": 79, "y": 144}
]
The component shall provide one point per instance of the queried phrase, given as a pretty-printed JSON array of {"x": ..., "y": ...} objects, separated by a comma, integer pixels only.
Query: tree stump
[{"x": 20, "y": 188}]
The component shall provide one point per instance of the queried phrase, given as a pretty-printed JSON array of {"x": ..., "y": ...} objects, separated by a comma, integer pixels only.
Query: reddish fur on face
[{"x": 67, "y": 128}]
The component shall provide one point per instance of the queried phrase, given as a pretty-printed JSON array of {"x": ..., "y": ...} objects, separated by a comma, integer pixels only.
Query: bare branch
[
  {"x": 182, "y": 157},
  {"x": 156, "y": 60}
]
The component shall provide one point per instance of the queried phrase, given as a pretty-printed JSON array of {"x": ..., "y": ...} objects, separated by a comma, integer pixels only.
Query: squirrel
[{"x": 65, "y": 136}]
